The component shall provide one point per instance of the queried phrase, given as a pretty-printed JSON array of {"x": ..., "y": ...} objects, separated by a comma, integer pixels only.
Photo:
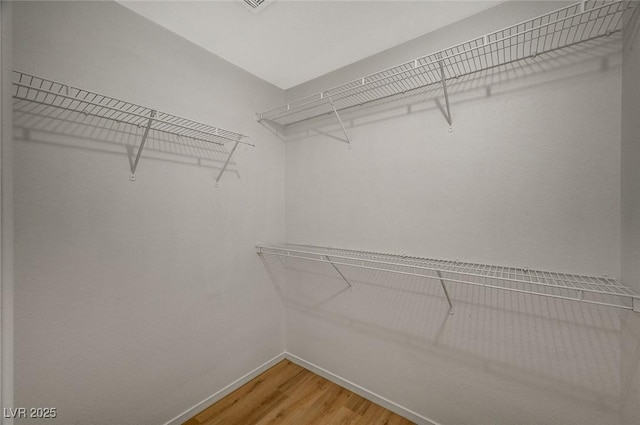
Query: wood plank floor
[{"x": 288, "y": 394}]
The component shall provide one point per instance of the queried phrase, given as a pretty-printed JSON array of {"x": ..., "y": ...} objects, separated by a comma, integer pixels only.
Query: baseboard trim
[
  {"x": 363, "y": 392},
  {"x": 219, "y": 395}
]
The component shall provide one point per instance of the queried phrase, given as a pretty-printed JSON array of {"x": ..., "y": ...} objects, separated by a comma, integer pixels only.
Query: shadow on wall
[
  {"x": 630, "y": 369},
  {"x": 564, "y": 64},
  {"x": 35, "y": 122},
  {"x": 557, "y": 347},
  {"x": 630, "y": 340}
]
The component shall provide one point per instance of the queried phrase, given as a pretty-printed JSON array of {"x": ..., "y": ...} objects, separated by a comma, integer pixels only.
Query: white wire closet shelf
[
  {"x": 72, "y": 102},
  {"x": 562, "y": 28},
  {"x": 589, "y": 289}
]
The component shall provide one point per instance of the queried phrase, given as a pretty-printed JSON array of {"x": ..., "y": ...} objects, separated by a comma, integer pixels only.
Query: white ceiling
[{"x": 290, "y": 42}]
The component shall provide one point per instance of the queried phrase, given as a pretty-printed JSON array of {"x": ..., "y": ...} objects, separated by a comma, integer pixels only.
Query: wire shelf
[
  {"x": 589, "y": 289},
  {"x": 72, "y": 104},
  {"x": 571, "y": 25}
]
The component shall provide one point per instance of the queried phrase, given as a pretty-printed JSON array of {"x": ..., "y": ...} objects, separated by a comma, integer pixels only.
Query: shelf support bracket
[
  {"x": 226, "y": 163},
  {"x": 275, "y": 128},
  {"x": 446, "y": 293},
  {"x": 335, "y": 111},
  {"x": 446, "y": 95},
  {"x": 636, "y": 304},
  {"x": 339, "y": 272},
  {"x": 141, "y": 147}
]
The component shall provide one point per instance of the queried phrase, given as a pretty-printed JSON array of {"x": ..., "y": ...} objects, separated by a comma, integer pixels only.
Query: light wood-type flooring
[{"x": 288, "y": 394}]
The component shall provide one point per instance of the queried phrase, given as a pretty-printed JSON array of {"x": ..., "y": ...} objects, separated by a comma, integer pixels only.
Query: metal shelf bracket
[
  {"x": 339, "y": 119},
  {"x": 226, "y": 163},
  {"x": 273, "y": 127},
  {"x": 339, "y": 272},
  {"x": 602, "y": 291},
  {"x": 446, "y": 96},
  {"x": 446, "y": 293},
  {"x": 141, "y": 147}
]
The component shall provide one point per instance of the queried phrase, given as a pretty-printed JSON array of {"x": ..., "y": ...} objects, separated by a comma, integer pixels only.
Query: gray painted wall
[
  {"x": 630, "y": 341},
  {"x": 136, "y": 300},
  {"x": 529, "y": 176},
  {"x": 6, "y": 225}
]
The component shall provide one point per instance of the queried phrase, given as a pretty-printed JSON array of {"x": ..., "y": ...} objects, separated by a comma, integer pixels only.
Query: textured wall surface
[
  {"x": 136, "y": 300},
  {"x": 631, "y": 155},
  {"x": 6, "y": 227},
  {"x": 631, "y": 217},
  {"x": 529, "y": 176}
]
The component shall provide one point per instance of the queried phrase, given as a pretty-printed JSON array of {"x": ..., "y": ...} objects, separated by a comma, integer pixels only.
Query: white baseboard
[
  {"x": 363, "y": 392},
  {"x": 219, "y": 395}
]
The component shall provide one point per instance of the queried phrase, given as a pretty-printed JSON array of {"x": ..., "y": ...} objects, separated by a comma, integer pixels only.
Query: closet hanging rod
[
  {"x": 536, "y": 282},
  {"x": 560, "y": 29}
]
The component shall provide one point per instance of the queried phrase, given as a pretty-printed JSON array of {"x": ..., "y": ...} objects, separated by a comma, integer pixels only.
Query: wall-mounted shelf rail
[
  {"x": 562, "y": 28},
  {"x": 589, "y": 289},
  {"x": 72, "y": 102}
]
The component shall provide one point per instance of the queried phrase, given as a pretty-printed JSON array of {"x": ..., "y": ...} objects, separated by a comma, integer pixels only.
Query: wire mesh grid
[
  {"x": 74, "y": 103},
  {"x": 556, "y": 30},
  {"x": 590, "y": 289},
  {"x": 29, "y": 117}
]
